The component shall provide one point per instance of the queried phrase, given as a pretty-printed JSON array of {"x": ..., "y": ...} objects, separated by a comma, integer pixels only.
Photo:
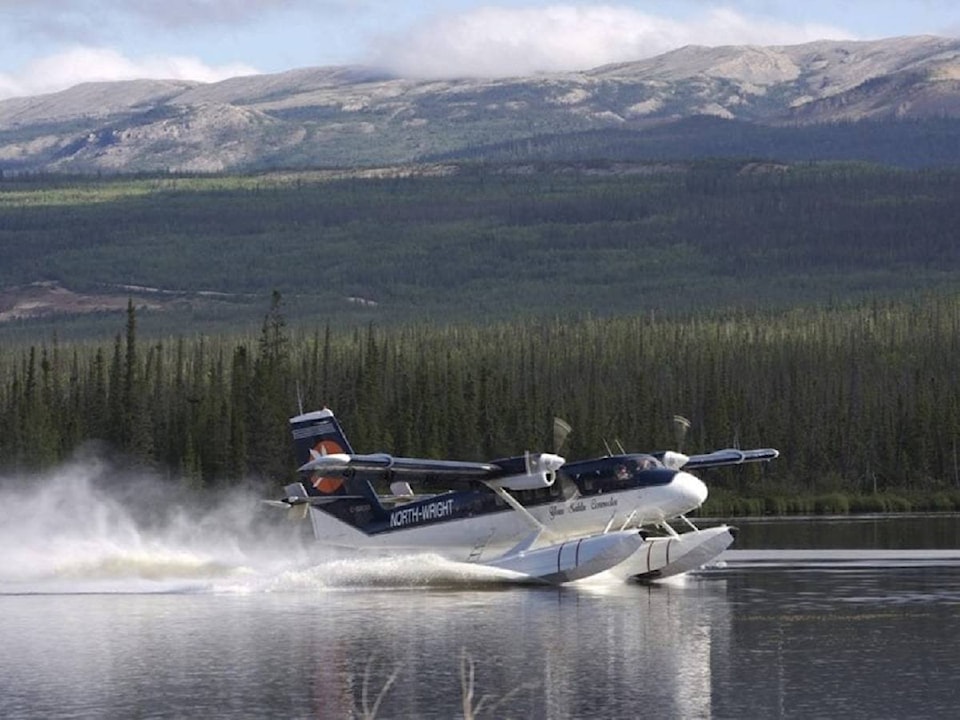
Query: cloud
[
  {"x": 500, "y": 41},
  {"x": 91, "y": 64}
]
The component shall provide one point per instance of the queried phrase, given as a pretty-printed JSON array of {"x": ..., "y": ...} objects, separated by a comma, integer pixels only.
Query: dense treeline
[
  {"x": 492, "y": 242},
  {"x": 862, "y": 401}
]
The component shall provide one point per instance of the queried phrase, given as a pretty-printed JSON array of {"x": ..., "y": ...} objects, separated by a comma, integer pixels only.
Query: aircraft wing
[
  {"x": 730, "y": 456},
  {"x": 339, "y": 464}
]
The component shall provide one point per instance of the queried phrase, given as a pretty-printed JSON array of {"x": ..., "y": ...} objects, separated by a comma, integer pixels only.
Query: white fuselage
[{"x": 486, "y": 536}]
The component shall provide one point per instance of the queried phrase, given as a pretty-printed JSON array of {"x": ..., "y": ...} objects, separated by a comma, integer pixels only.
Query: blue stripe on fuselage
[{"x": 587, "y": 478}]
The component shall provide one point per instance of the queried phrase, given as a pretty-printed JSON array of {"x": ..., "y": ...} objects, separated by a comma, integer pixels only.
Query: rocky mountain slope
[{"x": 359, "y": 116}]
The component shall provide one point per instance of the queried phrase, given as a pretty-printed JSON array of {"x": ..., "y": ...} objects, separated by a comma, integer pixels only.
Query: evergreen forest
[{"x": 863, "y": 401}]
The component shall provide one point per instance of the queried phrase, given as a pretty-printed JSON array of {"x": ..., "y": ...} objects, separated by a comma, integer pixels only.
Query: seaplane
[{"x": 538, "y": 516}]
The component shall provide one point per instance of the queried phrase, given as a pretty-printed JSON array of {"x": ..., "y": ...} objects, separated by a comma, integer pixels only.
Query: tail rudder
[
  {"x": 352, "y": 500},
  {"x": 317, "y": 432}
]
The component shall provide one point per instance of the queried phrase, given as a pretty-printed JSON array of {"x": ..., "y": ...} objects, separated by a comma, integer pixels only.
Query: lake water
[{"x": 103, "y": 615}]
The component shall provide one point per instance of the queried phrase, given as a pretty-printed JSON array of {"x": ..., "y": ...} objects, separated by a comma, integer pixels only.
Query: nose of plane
[{"x": 692, "y": 488}]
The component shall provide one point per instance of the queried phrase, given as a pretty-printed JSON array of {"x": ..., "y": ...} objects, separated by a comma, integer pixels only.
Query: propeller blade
[
  {"x": 561, "y": 429},
  {"x": 681, "y": 425}
]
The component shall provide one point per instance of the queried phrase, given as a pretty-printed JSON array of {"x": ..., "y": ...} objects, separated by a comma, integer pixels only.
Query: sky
[{"x": 49, "y": 45}]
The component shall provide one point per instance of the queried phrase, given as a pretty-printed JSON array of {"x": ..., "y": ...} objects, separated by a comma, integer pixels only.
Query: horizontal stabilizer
[
  {"x": 277, "y": 504},
  {"x": 292, "y": 500}
]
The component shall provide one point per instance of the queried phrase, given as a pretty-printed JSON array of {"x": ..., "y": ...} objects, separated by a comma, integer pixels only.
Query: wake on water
[{"x": 84, "y": 529}]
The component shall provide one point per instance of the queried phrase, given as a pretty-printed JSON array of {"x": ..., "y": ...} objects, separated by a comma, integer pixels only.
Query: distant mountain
[{"x": 776, "y": 101}]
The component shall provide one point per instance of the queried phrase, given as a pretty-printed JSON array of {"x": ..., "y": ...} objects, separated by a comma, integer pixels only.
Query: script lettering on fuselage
[
  {"x": 596, "y": 503},
  {"x": 417, "y": 514}
]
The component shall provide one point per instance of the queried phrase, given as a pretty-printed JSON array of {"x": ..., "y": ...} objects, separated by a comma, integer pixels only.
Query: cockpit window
[
  {"x": 621, "y": 473},
  {"x": 638, "y": 463}
]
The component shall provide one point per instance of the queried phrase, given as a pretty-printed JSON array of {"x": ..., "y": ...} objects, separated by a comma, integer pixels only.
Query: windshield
[
  {"x": 634, "y": 464},
  {"x": 619, "y": 473}
]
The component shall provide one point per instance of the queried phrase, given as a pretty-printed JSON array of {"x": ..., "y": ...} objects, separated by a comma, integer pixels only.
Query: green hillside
[
  {"x": 911, "y": 143},
  {"x": 481, "y": 242}
]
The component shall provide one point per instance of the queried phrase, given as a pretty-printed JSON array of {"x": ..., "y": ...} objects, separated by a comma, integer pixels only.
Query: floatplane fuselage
[{"x": 536, "y": 515}]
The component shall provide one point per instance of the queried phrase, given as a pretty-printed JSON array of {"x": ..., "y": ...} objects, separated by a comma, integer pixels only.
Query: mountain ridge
[{"x": 355, "y": 115}]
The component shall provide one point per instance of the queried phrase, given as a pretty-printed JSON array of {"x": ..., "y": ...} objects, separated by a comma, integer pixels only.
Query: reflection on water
[
  {"x": 738, "y": 641},
  {"x": 570, "y": 653},
  {"x": 854, "y": 641}
]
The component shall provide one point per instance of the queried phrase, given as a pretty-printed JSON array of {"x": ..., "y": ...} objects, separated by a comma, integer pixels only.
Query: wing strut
[{"x": 512, "y": 502}]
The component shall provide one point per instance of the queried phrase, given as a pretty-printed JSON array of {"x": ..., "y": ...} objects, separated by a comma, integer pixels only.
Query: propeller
[
  {"x": 675, "y": 459},
  {"x": 561, "y": 429},
  {"x": 680, "y": 426}
]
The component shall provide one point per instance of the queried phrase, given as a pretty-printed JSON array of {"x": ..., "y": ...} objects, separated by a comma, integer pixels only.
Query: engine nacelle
[
  {"x": 674, "y": 460},
  {"x": 540, "y": 472},
  {"x": 525, "y": 482}
]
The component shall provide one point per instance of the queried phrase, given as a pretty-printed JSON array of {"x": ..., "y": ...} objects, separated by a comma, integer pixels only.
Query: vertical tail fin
[{"x": 317, "y": 432}]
